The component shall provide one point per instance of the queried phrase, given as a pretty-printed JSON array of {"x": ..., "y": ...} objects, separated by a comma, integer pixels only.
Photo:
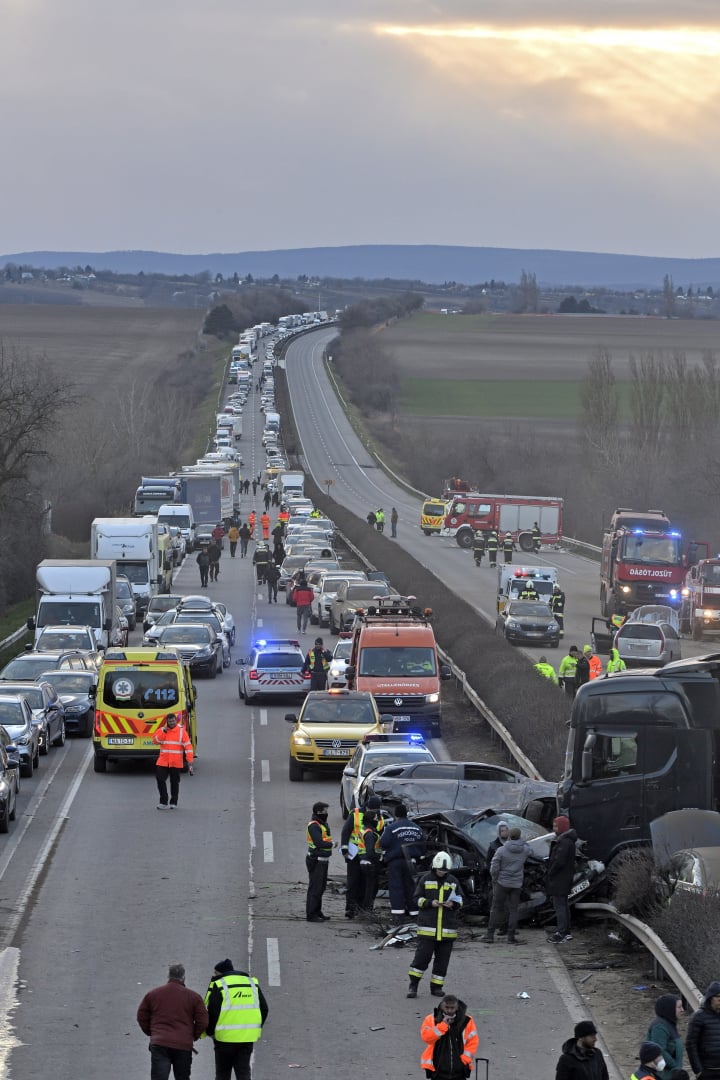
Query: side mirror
[
  {"x": 587, "y": 757},
  {"x": 92, "y": 692},
  {"x": 291, "y": 718},
  {"x": 13, "y": 763},
  {"x": 30, "y": 623},
  {"x": 445, "y": 672},
  {"x": 349, "y": 771}
]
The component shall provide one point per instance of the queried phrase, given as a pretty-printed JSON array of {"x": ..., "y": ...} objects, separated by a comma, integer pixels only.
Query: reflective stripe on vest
[
  {"x": 356, "y": 836},
  {"x": 240, "y": 1019},
  {"x": 326, "y": 838}
]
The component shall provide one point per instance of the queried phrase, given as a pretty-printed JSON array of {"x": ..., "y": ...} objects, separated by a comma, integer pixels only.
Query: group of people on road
[
  {"x": 578, "y": 667},
  {"x": 376, "y": 520}
]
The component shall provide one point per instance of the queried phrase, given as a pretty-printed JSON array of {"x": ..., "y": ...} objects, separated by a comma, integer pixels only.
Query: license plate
[
  {"x": 120, "y": 740},
  {"x": 535, "y": 633},
  {"x": 402, "y": 719},
  {"x": 336, "y": 753},
  {"x": 580, "y": 887}
]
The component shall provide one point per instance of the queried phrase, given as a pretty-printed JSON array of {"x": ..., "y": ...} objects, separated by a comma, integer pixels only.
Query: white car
[
  {"x": 376, "y": 751},
  {"x": 273, "y": 668},
  {"x": 327, "y": 590},
  {"x": 336, "y": 676}
]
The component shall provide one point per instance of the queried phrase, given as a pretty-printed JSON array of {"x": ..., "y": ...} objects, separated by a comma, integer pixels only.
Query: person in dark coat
[
  {"x": 580, "y": 1058},
  {"x": 244, "y": 539},
  {"x": 507, "y": 871},
  {"x": 582, "y": 670},
  {"x": 203, "y": 561},
  {"x": 272, "y": 576},
  {"x": 663, "y": 1031},
  {"x": 174, "y": 1017},
  {"x": 451, "y": 1041},
  {"x": 403, "y": 842},
  {"x": 560, "y": 874},
  {"x": 214, "y": 552},
  {"x": 279, "y": 554},
  {"x": 317, "y": 663},
  {"x": 652, "y": 1062},
  {"x": 702, "y": 1040}
]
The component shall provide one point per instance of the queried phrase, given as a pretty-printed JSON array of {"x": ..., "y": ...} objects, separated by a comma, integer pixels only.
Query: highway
[
  {"x": 100, "y": 891},
  {"x": 333, "y": 451}
]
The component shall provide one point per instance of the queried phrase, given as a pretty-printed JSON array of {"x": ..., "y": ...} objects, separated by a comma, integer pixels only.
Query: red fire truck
[
  {"x": 516, "y": 514},
  {"x": 643, "y": 562}
]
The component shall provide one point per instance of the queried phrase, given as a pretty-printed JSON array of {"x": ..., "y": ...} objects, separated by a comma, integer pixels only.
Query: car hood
[
  {"x": 531, "y": 620},
  {"x": 466, "y": 798},
  {"x": 335, "y": 731},
  {"x": 681, "y": 829},
  {"x": 75, "y": 699}
]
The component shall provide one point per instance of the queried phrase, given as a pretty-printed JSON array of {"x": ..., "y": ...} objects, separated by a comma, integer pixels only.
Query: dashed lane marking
[
  {"x": 268, "y": 851},
  {"x": 265, "y": 771},
  {"x": 273, "y": 962}
]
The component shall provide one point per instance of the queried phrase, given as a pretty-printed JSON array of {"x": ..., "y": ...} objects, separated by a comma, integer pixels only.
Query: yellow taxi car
[
  {"x": 137, "y": 688},
  {"x": 330, "y": 725}
]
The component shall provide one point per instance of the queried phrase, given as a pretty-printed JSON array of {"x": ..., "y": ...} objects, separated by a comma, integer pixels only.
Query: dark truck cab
[{"x": 640, "y": 745}]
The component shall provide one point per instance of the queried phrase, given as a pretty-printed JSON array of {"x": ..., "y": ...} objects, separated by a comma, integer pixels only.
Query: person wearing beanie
[
  {"x": 663, "y": 1031},
  {"x": 560, "y": 874},
  {"x": 316, "y": 665},
  {"x": 581, "y": 1059},
  {"x": 237, "y": 1010},
  {"x": 320, "y": 845},
  {"x": 702, "y": 1040},
  {"x": 582, "y": 668},
  {"x": 507, "y": 871},
  {"x": 174, "y": 1017},
  {"x": 594, "y": 662},
  {"x": 567, "y": 669},
  {"x": 652, "y": 1062}
]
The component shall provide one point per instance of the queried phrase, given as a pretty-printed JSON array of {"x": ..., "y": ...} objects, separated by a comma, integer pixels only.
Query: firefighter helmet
[{"x": 442, "y": 861}]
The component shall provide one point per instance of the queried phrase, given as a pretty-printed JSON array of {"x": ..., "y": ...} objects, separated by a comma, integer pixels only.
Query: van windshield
[
  {"x": 138, "y": 688},
  {"x": 403, "y": 661},
  {"x": 72, "y": 613},
  {"x": 137, "y": 573},
  {"x": 181, "y": 521}
]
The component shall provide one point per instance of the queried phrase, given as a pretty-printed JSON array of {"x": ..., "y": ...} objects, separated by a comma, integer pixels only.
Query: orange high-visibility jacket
[
  {"x": 596, "y": 668},
  {"x": 432, "y": 1031},
  {"x": 174, "y": 744}
]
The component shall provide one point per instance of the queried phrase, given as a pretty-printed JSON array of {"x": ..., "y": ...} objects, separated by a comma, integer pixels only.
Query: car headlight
[
  {"x": 552, "y": 626},
  {"x": 512, "y": 625},
  {"x": 4, "y": 789},
  {"x": 22, "y": 740},
  {"x": 432, "y": 699},
  {"x": 70, "y": 710},
  {"x": 301, "y": 740},
  {"x": 625, "y": 589},
  {"x": 205, "y": 651}
]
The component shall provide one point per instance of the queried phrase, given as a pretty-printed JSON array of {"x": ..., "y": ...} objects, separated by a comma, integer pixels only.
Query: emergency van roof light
[
  {"x": 639, "y": 532},
  {"x": 674, "y": 533}
]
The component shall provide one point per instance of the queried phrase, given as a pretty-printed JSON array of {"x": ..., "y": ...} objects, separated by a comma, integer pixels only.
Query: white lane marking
[
  {"x": 251, "y": 845},
  {"x": 9, "y": 964},
  {"x": 259, "y": 596},
  {"x": 258, "y": 622},
  {"x": 263, "y": 717},
  {"x": 265, "y": 771},
  {"x": 273, "y": 962},
  {"x": 268, "y": 850},
  {"x": 33, "y": 807},
  {"x": 11, "y": 924}
]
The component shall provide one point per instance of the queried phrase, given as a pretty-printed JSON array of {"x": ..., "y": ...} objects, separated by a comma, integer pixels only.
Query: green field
[{"x": 541, "y": 399}]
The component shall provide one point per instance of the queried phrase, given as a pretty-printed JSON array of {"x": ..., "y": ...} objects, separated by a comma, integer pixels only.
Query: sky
[{"x": 172, "y": 125}]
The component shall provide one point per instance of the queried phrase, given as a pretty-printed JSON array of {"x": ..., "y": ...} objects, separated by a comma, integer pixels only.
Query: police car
[
  {"x": 273, "y": 669},
  {"x": 375, "y": 751}
]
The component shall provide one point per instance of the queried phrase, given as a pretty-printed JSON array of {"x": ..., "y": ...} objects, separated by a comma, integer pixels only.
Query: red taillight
[
  {"x": 306, "y": 675},
  {"x": 253, "y": 674},
  {"x": 96, "y": 726}
]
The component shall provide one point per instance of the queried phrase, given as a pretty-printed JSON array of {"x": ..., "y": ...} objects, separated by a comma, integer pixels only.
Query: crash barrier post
[
  {"x": 663, "y": 958},
  {"x": 473, "y": 697}
]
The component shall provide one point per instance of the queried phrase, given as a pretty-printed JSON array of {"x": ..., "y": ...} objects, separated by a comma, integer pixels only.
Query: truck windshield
[
  {"x": 136, "y": 572},
  {"x": 180, "y": 521},
  {"x": 138, "y": 688},
  {"x": 710, "y": 574},
  {"x": 401, "y": 661},
  {"x": 660, "y": 551},
  {"x": 68, "y": 613}
]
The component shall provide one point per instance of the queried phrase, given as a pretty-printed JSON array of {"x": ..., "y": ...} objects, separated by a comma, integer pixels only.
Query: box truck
[
  {"x": 76, "y": 592},
  {"x": 140, "y": 551}
]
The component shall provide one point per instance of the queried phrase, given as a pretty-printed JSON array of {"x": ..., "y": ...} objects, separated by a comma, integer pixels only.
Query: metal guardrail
[
  {"x": 473, "y": 697},
  {"x": 660, "y": 952},
  {"x": 13, "y": 637},
  {"x": 581, "y": 548}
]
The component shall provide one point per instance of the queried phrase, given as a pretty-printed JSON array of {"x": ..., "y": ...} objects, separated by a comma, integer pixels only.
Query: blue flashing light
[
  {"x": 674, "y": 533},
  {"x": 415, "y": 737},
  {"x": 673, "y": 593},
  {"x": 261, "y": 644},
  {"x": 639, "y": 532}
]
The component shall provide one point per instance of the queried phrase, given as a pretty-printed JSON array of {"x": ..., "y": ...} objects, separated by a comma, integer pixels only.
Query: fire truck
[
  {"x": 642, "y": 562},
  {"x": 700, "y": 606},
  {"x": 470, "y": 511}
]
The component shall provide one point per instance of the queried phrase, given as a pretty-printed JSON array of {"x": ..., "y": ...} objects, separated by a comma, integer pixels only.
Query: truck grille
[{"x": 397, "y": 703}]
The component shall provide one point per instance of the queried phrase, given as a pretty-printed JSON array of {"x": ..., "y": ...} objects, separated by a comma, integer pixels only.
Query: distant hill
[{"x": 429, "y": 263}]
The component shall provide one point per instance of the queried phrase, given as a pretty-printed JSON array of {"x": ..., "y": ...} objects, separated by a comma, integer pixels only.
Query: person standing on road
[
  {"x": 580, "y": 1058},
  {"x": 174, "y": 1017},
  {"x": 265, "y": 525},
  {"x": 279, "y": 553},
  {"x": 244, "y": 539},
  {"x": 371, "y": 519},
  {"x": 557, "y": 606},
  {"x": 320, "y": 846},
  {"x": 237, "y": 1011},
  {"x": 559, "y": 877},
  {"x": 508, "y": 547},
  {"x": 536, "y": 537},
  {"x": 352, "y": 846},
  {"x": 507, "y": 870},
  {"x": 582, "y": 668},
  {"x": 233, "y": 537},
  {"x": 278, "y": 533},
  {"x": 214, "y": 554},
  {"x": 566, "y": 671},
  {"x": 492, "y": 548},
  {"x": 451, "y": 1039},
  {"x": 316, "y": 664},
  {"x": 380, "y": 520},
  {"x": 246, "y": 486},
  {"x": 252, "y": 518},
  {"x": 267, "y": 499},
  {"x": 394, "y": 517},
  {"x": 303, "y": 597},
  {"x": 594, "y": 663},
  {"x": 203, "y": 561},
  {"x": 478, "y": 547},
  {"x": 402, "y": 842},
  {"x": 663, "y": 1031},
  {"x": 702, "y": 1040},
  {"x": 272, "y": 576},
  {"x": 255, "y": 485},
  {"x": 652, "y": 1062},
  {"x": 546, "y": 670},
  {"x": 439, "y": 899},
  {"x": 175, "y": 749},
  {"x": 615, "y": 663},
  {"x": 369, "y": 861},
  {"x": 261, "y": 560}
]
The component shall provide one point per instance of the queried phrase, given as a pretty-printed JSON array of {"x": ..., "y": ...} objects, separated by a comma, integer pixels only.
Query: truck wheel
[
  {"x": 295, "y": 771},
  {"x": 428, "y": 532},
  {"x": 525, "y": 541},
  {"x": 464, "y": 538},
  {"x": 99, "y": 763}
]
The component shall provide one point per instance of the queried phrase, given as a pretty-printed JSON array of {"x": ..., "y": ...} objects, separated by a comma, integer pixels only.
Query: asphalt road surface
[{"x": 100, "y": 891}]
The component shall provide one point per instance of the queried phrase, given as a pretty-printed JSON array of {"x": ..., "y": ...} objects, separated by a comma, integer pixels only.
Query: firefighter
[
  {"x": 478, "y": 546},
  {"x": 492, "y": 548},
  {"x": 529, "y": 592},
  {"x": 439, "y": 899},
  {"x": 403, "y": 843},
  {"x": 508, "y": 547},
  {"x": 536, "y": 537},
  {"x": 260, "y": 560},
  {"x": 557, "y": 606}
]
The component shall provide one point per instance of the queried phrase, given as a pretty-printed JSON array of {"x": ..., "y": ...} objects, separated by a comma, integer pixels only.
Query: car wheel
[
  {"x": 88, "y": 728},
  {"x": 36, "y": 759},
  {"x": 314, "y": 620},
  {"x": 5, "y": 821},
  {"x": 212, "y": 672},
  {"x": 27, "y": 768},
  {"x": 232, "y": 636},
  {"x": 99, "y": 763},
  {"x": 248, "y": 699},
  {"x": 132, "y": 623},
  {"x": 59, "y": 739},
  {"x": 45, "y": 748},
  {"x": 295, "y": 771},
  {"x": 13, "y": 813},
  {"x": 240, "y": 689},
  {"x": 554, "y": 644}
]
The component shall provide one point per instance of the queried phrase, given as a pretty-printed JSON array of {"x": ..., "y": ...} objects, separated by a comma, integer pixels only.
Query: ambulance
[{"x": 137, "y": 688}]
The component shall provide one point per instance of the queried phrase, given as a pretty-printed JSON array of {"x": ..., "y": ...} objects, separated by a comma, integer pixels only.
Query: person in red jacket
[
  {"x": 175, "y": 750},
  {"x": 451, "y": 1040},
  {"x": 303, "y": 597},
  {"x": 174, "y": 1017}
]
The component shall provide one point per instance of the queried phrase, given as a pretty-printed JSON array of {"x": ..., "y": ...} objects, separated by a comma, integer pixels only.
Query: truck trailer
[{"x": 76, "y": 592}]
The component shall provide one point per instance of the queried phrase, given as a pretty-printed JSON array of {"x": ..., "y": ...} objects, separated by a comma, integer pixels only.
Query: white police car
[
  {"x": 273, "y": 669},
  {"x": 375, "y": 751}
]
